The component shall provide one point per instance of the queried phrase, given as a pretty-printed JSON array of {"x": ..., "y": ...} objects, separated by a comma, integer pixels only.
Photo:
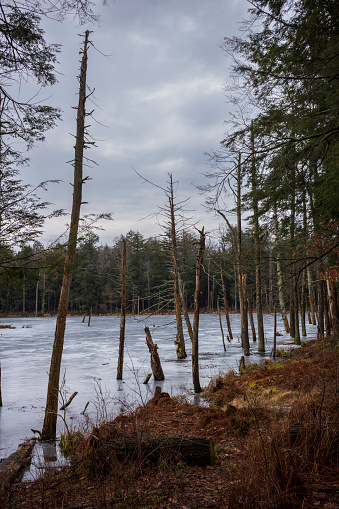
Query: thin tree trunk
[
  {"x": 36, "y": 297},
  {"x": 275, "y": 332},
  {"x": 89, "y": 317},
  {"x": 326, "y": 313},
  {"x": 184, "y": 307},
  {"x": 311, "y": 296},
  {"x": 226, "y": 306},
  {"x": 260, "y": 320},
  {"x": 220, "y": 322},
  {"x": 333, "y": 306},
  {"x": 237, "y": 249},
  {"x": 180, "y": 342},
  {"x": 320, "y": 312},
  {"x": 197, "y": 295},
  {"x": 250, "y": 312},
  {"x": 123, "y": 312},
  {"x": 49, "y": 426},
  {"x": 280, "y": 275},
  {"x": 43, "y": 296}
]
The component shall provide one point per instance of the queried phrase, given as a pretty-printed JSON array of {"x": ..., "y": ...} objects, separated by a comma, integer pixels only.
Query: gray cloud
[{"x": 159, "y": 94}]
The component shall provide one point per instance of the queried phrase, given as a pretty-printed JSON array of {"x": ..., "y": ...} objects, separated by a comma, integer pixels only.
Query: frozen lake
[{"x": 90, "y": 364}]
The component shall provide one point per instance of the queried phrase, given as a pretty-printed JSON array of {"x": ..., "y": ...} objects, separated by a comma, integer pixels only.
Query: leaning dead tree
[{"x": 51, "y": 410}]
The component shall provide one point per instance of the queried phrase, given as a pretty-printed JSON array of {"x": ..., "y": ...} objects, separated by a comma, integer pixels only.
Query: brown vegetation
[{"x": 276, "y": 435}]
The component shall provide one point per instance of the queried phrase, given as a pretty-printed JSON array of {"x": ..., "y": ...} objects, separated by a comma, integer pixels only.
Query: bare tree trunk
[
  {"x": 320, "y": 292},
  {"x": 180, "y": 342},
  {"x": 220, "y": 322},
  {"x": 155, "y": 359},
  {"x": 250, "y": 312},
  {"x": 326, "y": 313},
  {"x": 89, "y": 317},
  {"x": 333, "y": 306},
  {"x": 49, "y": 427},
  {"x": 123, "y": 312},
  {"x": 311, "y": 296},
  {"x": 280, "y": 274},
  {"x": 184, "y": 307},
  {"x": 36, "y": 297},
  {"x": 225, "y": 305},
  {"x": 197, "y": 295},
  {"x": 43, "y": 296},
  {"x": 260, "y": 320},
  {"x": 275, "y": 332},
  {"x": 237, "y": 249}
]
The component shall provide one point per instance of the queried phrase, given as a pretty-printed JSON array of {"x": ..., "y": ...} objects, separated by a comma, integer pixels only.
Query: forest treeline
[{"x": 31, "y": 277}]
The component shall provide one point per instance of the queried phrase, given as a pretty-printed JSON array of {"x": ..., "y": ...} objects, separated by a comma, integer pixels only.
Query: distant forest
[{"x": 31, "y": 283}]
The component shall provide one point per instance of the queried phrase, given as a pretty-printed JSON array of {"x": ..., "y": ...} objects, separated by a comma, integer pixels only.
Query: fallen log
[
  {"x": 105, "y": 450},
  {"x": 11, "y": 467}
]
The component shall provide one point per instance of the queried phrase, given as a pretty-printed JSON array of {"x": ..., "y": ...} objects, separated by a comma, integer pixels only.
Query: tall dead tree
[
  {"x": 195, "y": 342},
  {"x": 236, "y": 236},
  {"x": 123, "y": 312},
  {"x": 49, "y": 426},
  {"x": 180, "y": 341},
  {"x": 257, "y": 256}
]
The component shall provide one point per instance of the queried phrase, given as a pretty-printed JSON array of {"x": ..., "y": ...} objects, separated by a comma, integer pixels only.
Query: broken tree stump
[
  {"x": 155, "y": 359},
  {"x": 65, "y": 405},
  {"x": 11, "y": 467},
  {"x": 104, "y": 450}
]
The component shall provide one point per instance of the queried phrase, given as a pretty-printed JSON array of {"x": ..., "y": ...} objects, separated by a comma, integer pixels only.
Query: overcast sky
[{"x": 159, "y": 94}]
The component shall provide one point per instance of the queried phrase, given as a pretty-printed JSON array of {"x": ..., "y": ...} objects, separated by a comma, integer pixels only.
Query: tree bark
[
  {"x": 226, "y": 306},
  {"x": 311, "y": 296},
  {"x": 49, "y": 427},
  {"x": 250, "y": 312},
  {"x": 195, "y": 342},
  {"x": 123, "y": 312},
  {"x": 180, "y": 342},
  {"x": 155, "y": 359},
  {"x": 333, "y": 306},
  {"x": 220, "y": 322},
  {"x": 257, "y": 256},
  {"x": 280, "y": 274}
]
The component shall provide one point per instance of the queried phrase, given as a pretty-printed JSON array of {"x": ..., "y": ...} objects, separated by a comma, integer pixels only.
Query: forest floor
[{"x": 275, "y": 429}]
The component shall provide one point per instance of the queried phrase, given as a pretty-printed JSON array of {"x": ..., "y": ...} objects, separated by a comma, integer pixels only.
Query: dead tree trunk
[
  {"x": 237, "y": 249},
  {"x": 225, "y": 305},
  {"x": 155, "y": 359},
  {"x": 195, "y": 343},
  {"x": 257, "y": 256},
  {"x": 250, "y": 312},
  {"x": 280, "y": 274},
  {"x": 123, "y": 312},
  {"x": 333, "y": 306},
  {"x": 49, "y": 427},
  {"x": 220, "y": 322},
  {"x": 311, "y": 296},
  {"x": 184, "y": 307},
  {"x": 180, "y": 342}
]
